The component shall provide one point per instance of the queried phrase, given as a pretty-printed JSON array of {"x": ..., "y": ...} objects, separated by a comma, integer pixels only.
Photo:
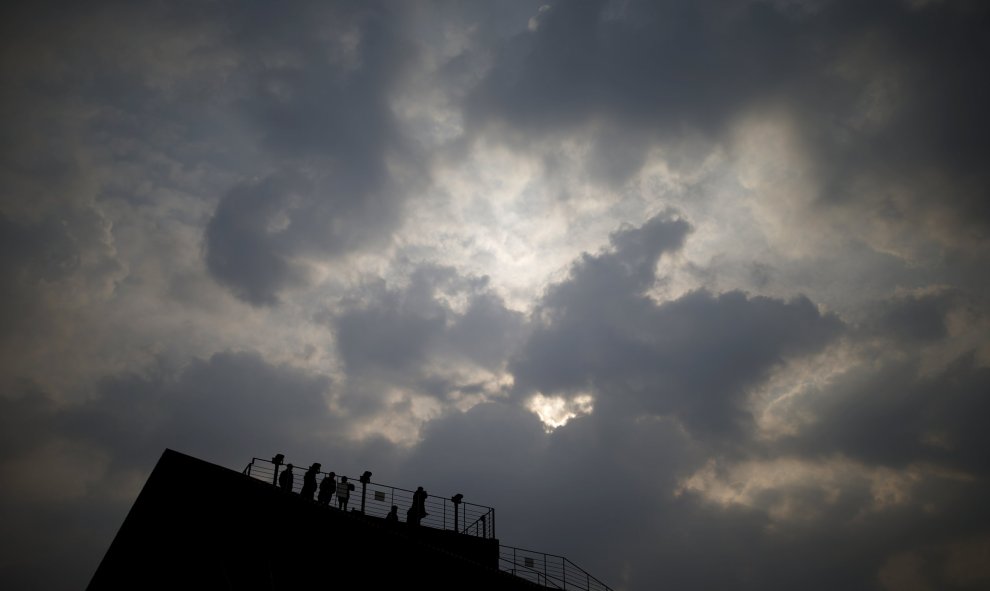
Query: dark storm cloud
[
  {"x": 246, "y": 248},
  {"x": 413, "y": 338},
  {"x": 600, "y": 490},
  {"x": 609, "y": 480},
  {"x": 223, "y": 406},
  {"x": 49, "y": 249},
  {"x": 845, "y": 548},
  {"x": 234, "y": 90},
  {"x": 898, "y": 410},
  {"x": 41, "y": 251},
  {"x": 311, "y": 103},
  {"x": 396, "y": 329},
  {"x": 654, "y": 63},
  {"x": 225, "y": 409},
  {"x": 322, "y": 109},
  {"x": 879, "y": 89},
  {"x": 24, "y": 421},
  {"x": 43, "y": 263},
  {"x": 457, "y": 452},
  {"x": 896, "y": 415},
  {"x": 920, "y": 317},
  {"x": 400, "y": 329},
  {"x": 693, "y": 357},
  {"x": 937, "y": 121},
  {"x": 286, "y": 116}
]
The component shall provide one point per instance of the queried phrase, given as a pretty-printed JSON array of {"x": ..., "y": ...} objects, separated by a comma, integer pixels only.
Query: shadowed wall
[{"x": 199, "y": 525}]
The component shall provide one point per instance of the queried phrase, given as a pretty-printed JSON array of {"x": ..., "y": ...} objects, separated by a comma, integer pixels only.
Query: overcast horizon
[{"x": 694, "y": 293}]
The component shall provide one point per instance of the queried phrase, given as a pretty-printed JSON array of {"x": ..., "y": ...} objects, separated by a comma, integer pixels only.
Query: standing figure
[
  {"x": 417, "y": 510},
  {"x": 393, "y": 515},
  {"x": 343, "y": 493},
  {"x": 286, "y": 479},
  {"x": 328, "y": 486},
  {"x": 419, "y": 502},
  {"x": 309, "y": 482}
]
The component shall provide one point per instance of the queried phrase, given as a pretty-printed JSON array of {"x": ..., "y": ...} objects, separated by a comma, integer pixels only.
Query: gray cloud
[
  {"x": 413, "y": 339},
  {"x": 609, "y": 481},
  {"x": 304, "y": 105},
  {"x": 615, "y": 475},
  {"x": 229, "y": 407},
  {"x": 226, "y": 404},
  {"x": 895, "y": 415},
  {"x": 400, "y": 328},
  {"x": 693, "y": 357},
  {"x": 879, "y": 91},
  {"x": 922, "y": 317},
  {"x": 323, "y": 113},
  {"x": 31, "y": 253},
  {"x": 245, "y": 247},
  {"x": 788, "y": 376},
  {"x": 653, "y": 63}
]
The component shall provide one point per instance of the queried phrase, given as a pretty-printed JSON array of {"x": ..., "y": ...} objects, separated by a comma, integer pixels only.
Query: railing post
[
  {"x": 457, "y": 512},
  {"x": 365, "y": 479},
  {"x": 563, "y": 571}
]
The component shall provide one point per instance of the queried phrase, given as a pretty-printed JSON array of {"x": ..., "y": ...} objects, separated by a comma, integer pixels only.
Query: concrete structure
[{"x": 201, "y": 526}]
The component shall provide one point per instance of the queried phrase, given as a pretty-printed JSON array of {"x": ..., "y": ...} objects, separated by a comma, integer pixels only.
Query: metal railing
[
  {"x": 376, "y": 500},
  {"x": 547, "y": 570},
  {"x": 371, "y": 498}
]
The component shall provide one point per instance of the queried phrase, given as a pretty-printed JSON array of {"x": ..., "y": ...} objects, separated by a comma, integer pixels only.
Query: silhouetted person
[
  {"x": 393, "y": 515},
  {"x": 328, "y": 486},
  {"x": 419, "y": 503},
  {"x": 417, "y": 511},
  {"x": 309, "y": 482},
  {"x": 286, "y": 479},
  {"x": 344, "y": 489}
]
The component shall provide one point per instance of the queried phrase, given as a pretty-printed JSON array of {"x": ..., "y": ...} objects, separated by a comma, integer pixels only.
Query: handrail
[
  {"x": 528, "y": 573},
  {"x": 548, "y": 570},
  {"x": 441, "y": 512},
  {"x": 557, "y": 571}
]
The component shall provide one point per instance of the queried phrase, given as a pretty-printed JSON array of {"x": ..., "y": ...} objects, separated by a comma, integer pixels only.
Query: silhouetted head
[
  {"x": 331, "y": 475},
  {"x": 315, "y": 467},
  {"x": 343, "y": 478},
  {"x": 288, "y": 466},
  {"x": 395, "y": 508}
]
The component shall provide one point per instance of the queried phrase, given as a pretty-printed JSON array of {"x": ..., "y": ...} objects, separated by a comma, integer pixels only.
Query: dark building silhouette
[{"x": 201, "y": 526}]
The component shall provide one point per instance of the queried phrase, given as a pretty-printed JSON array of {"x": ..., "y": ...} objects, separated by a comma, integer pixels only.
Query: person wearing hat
[
  {"x": 328, "y": 486},
  {"x": 309, "y": 482},
  {"x": 285, "y": 479}
]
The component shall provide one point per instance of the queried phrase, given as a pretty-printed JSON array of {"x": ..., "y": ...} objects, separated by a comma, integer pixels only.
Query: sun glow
[{"x": 555, "y": 411}]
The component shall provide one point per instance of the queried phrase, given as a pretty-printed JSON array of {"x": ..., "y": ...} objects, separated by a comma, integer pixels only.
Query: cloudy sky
[{"x": 693, "y": 293}]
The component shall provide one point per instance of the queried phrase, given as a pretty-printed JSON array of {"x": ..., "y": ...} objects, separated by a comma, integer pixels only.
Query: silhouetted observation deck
[
  {"x": 196, "y": 525},
  {"x": 375, "y": 500}
]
